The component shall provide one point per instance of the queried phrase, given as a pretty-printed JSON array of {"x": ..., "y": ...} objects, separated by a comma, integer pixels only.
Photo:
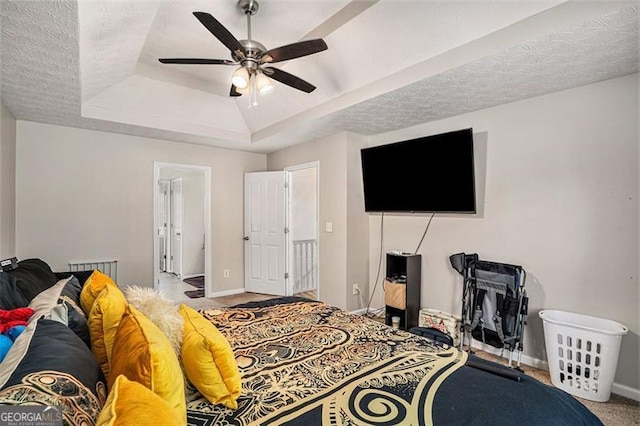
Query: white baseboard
[
  {"x": 618, "y": 389},
  {"x": 525, "y": 359},
  {"x": 363, "y": 311},
  {"x": 626, "y": 391},
  {"x": 227, "y": 292}
]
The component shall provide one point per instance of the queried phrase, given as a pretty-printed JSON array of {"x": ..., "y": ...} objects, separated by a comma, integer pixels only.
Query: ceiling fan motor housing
[
  {"x": 253, "y": 49},
  {"x": 249, "y": 7}
]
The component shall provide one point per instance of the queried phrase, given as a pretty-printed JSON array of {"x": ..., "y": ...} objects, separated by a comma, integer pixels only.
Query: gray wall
[
  {"x": 357, "y": 226},
  {"x": 7, "y": 183},
  {"x": 86, "y": 195},
  {"x": 560, "y": 197}
]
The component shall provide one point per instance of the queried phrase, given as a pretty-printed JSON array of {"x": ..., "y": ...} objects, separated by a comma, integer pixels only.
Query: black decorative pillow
[
  {"x": 82, "y": 276},
  {"x": 33, "y": 276},
  {"x": 10, "y": 295},
  {"x": 66, "y": 292},
  {"x": 49, "y": 365},
  {"x": 71, "y": 291}
]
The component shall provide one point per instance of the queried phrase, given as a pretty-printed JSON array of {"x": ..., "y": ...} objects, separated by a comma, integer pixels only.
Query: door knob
[{"x": 246, "y": 238}]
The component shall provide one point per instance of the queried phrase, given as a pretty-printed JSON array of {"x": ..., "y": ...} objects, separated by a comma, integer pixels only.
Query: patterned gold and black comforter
[{"x": 307, "y": 363}]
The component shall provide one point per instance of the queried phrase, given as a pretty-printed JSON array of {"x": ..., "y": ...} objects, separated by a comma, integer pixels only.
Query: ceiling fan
[{"x": 252, "y": 76}]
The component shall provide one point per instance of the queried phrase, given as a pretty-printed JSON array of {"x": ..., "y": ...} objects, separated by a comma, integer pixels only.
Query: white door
[
  {"x": 264, "y": 224},
  {"x": 163, "y": 219},
  {"x": 176, "y": 227}
]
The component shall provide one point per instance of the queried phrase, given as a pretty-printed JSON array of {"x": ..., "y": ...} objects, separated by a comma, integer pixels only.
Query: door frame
[
  {"x": 208, "y": 267},
  {"x": 174, "y": 225},
  {"x": 167, "y": 216},
  {"x": 289, "y": 241}
]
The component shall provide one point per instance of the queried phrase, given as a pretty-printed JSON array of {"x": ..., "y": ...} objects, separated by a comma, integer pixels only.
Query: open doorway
[
  {"x": 181, "y": 231},
  {"x": 281, "y": 231},
  {"x": 170, "y": 210},
  {"x": 303, "y": 238}
]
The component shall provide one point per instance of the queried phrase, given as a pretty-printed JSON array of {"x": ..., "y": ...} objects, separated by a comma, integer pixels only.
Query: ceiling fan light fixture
[
  {"x": 240, "y": 78},
  {"x": 263, "y": 84},
  {"x": 253, "y": 56},
  {"x": 244, "y": 91}
]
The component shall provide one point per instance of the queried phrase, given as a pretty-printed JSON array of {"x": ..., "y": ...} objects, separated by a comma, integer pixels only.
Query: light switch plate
[{"x": 328, "y": 226}]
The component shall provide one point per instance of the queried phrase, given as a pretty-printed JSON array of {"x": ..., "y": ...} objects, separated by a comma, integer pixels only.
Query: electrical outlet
[
  {"x": 356, "y": 289},
  {"x": 226, "y": 273}
]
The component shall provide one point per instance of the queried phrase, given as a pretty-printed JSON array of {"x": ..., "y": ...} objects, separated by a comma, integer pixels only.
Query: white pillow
[{"x": 161, "y": 311}]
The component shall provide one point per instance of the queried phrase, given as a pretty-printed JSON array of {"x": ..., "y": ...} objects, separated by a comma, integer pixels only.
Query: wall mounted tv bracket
[{"x": 8, "y": 264}]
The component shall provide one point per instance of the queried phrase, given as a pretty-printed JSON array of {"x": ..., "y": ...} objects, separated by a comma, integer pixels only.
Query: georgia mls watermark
[{"x": 33, "y": 415}]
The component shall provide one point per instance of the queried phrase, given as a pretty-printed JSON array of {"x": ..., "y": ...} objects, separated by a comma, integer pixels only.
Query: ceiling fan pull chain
[{"x": 253, "y": 95}]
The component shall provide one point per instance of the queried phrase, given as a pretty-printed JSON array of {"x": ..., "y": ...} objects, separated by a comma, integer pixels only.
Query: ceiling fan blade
[
  {"x": 220, "y": 32},
  {"x": 289, "y": 79},
  {"x": 233, "y": 92},
  {"x": 197, "y": 61},
  {"x": 294, "y": 50}
]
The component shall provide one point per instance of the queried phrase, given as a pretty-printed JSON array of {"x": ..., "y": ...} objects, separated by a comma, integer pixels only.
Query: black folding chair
[{"x": 494, "y": 303}]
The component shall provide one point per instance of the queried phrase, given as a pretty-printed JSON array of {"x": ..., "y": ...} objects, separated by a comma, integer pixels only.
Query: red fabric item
[
  {"x": 9, "y": 325},
  {"x": 13, "y": 317}
]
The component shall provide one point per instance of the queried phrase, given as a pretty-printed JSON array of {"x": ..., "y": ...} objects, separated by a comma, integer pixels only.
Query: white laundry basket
[{"x": 582, "y": 352}]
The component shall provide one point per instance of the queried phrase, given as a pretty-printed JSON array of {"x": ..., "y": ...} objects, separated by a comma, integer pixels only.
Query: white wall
[
  {"x": 561, "y": 199},
  {"x": 7, "y": 183},
  {"x": 88, "y": 194},
  {"x": 304, "y": 220}
]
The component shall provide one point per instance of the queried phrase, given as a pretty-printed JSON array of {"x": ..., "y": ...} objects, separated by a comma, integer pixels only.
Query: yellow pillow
[
  {"x": 208, "y": 360},
  {"x": 103, "y": 323},
  {"x": 130, "y": 403},
  {"x": 96, "y": 282},
  {"x": 143, "y": 354}
]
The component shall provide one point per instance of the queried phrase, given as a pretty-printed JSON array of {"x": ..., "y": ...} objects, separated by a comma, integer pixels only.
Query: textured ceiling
[{"x": 390, "y": 64}]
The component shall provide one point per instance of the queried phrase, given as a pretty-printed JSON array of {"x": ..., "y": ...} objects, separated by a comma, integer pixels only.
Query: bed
[{"x": 303, "y": 362}]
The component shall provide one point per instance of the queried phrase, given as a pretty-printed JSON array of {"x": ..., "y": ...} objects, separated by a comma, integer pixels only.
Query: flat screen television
[{"x": 432, "y": 174}]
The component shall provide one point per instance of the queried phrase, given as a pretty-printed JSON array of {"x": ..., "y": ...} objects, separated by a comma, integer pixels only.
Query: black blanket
[{"x": 305, "y": 363}]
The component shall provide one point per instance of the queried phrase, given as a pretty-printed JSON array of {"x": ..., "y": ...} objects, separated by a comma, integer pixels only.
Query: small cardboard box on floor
[{"x": 442, "y": 321}]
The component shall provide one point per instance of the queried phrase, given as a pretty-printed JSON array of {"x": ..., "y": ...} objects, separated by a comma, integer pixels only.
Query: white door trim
[
  {"x": 176, "y": 267},
  {"x": 164, "y": 198},
  {"x": 289, "y": 243},
  {"x": 208, "y": 267}
]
